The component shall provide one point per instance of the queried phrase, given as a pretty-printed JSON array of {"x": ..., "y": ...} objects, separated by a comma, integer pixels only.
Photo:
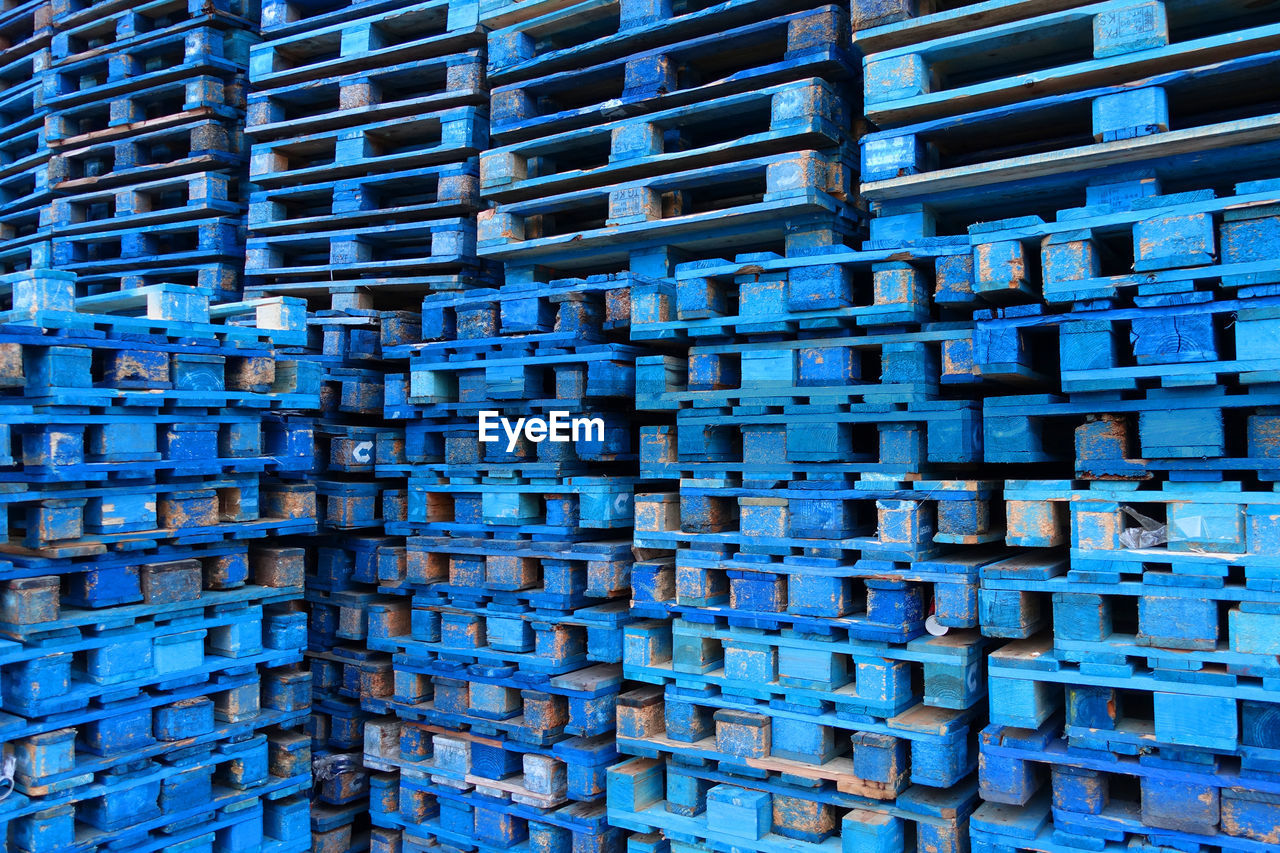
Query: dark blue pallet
[
  {"x": 860, "y": 754},
  {"x": 190, "y": 146},
  {"x": 495, "y": 824},
  {"x": 104, "y": 27},
  {"x": 429, "y": 192},
  {"x": 826, "y": 516},
  {"x": 204, "y": 194},
  {"x": 340, "y": 43},
  {"x": 448, "y": 136},
  {"x": 738, "y": 59},
  {"x": 527, "y": 706},
  {"x": 705, "y": 807},
  {"x": 1189, "y": 801},
  {"x": 145, "y": 64},
  {"x": 549, "y": 575},
  {"x": 568, "y": 38},
  {"x": 806, "y": 114},
  {"x": 814, "y": 191},
  {"x": 803, "y": 668}
]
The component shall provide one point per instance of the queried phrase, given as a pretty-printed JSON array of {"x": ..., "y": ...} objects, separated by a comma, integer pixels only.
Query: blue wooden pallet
[
  {"x": 1122, "y": 721},
  {"x": 810, "y": 666},
  {"x": 350, "y": 96},
  {"x": 820, "y": 291},
  {"x": 821, "y": 373},
  {"x": 116, "y": 579},
  {"x": 52, "y": 530},
  {"x": 708, "y": 809},
  {"x": 589, "y": 309},
  {"x": 143, "y": 205},
  {"x": 337, "y": 722},
  {"x": 202, "y": 144},
  {"x": 883, "y": 24},
  {"x": 23, "y": 194},
  {"x": 997, "y": 828},
  {"x": 98, "y": 28},
  {"x": 426, "y": 193},
  {"x": 1172, "y": 340},
  {"x": 286, "y": 17},
  {"x": 442, "y": 245},
  {"x": 54, "y": 772},
  {"x": 26, "y": 27},
  {"x": 1051, "y": 53},
  {"x": 501, "y": 502},
  {"x": 234, "y": 813},
  {"x": 75, "y": 672},
  {"x": 70, "y": 14},
  {"x": 355, "y": 563},
  {"x": 512, "y": 622},
  {"x": 23, "y": 147},
  {"x": 583, "y": 33},
  {"x": 1025, "y": 676},
  {"x": 1098, "y": 797},
  {"x": 224, "y": 278},
  {"x": 478, "y": 822},
  {"x": 736, "y": 60},
  {"x": 860, "y": 754},
  {"x": 1104, "y": 621},
  {"x": 879, "y": 518},
  {"x": 45, "y": 307},
  {"x": 540, "y": 776},
  {"x": 550, "y": 574},
  {"x": 1136, "y": 438},
  {"x": 56, "y": 513},
  {"x": 380, "y": 39},
  {"x": 1078, "y": 125},
  {"x": 465, "y": 377},
  {"x": 158, "y": 108},
  {"x": 1210, "y": 525},
  {"x": 120, "y": 253},
  {"x": 806, "y": 114},
  {"x": 1222, "y": 151},
  {"x": 147, "y": 63},
  {"x": 533, "y": 642},
  {"x": 155, "y": 405},
  {"x": 874, "y": 599},
  {"x": 171, "y": 594},
  {"x": 503, "y": 627},
  {"x": 240, "y": 691},
  {"x": 1177, "y": 242},
  {"x": 598, "y": 225},
  {"x": 701, "y": 588},
  {"x": 447, "y": 136},
  {"x": 503, "y": 700},
  {"x": 353, "y": 505},
  {"x": 871, "y": 442}
]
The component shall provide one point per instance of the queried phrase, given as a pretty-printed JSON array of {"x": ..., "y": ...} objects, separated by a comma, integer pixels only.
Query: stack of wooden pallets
[
  {"x": 152, "y": 691},
  {"x": 365, "y": 121},
  {"x": 1103, "y": 168}
]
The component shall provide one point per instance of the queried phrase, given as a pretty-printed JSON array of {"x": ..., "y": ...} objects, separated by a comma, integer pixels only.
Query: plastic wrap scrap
[
  {"x": 1149, "y": 535},
  {"x": 332, "y": 766},
  {"x": 8, "y": 765}
]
